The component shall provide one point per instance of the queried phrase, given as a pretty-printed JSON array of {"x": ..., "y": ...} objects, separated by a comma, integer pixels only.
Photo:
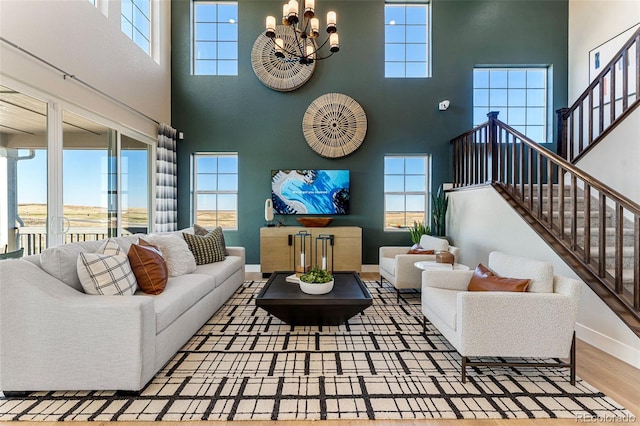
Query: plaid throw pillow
[
  {"x": 106, "y": 272},
  {"x": 206, "y": 249}
]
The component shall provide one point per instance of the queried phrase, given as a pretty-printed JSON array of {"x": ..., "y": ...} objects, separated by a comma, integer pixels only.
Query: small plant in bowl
[{"x": 316, "y": 281}]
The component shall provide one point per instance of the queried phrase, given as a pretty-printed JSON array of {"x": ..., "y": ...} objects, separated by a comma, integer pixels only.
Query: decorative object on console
[
  {"x": 268, "y": 211},
  {"x": 275, "y": 73},
  {"x": 314, "y": 222},
  {"x": 334, "y": 125},
  {"x": 301, "y": 46},
  {"x": 302, "y": 252}
]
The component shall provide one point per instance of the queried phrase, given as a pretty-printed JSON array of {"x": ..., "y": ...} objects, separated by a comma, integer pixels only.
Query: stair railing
[
  {"x": 537, "y": 180},
  {"x": 611, "y": 96}
]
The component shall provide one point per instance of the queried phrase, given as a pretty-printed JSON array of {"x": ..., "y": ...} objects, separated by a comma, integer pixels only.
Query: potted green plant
[
  {"x": 439, "y": 212},
  {"x": 316, "y": 281},
  {"x": 417, "y": 231}
]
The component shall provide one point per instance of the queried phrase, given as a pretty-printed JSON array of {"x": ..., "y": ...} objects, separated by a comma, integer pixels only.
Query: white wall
[
  {"x": 591, "y": 23},
  {"x": 615, "y": 160},
  {"x": 83, "y": 41},
  {"x": 481, "y": 221}
]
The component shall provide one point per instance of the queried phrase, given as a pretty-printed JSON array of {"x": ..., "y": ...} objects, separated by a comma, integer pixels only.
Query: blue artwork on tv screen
[{"x": 310, "y": 191}]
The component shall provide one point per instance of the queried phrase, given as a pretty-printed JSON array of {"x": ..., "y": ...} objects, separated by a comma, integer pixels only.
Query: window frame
[
  {"x": 427, "y": 192},
  {"x": 136, "y": 28},
  {"x": 406, "y": 42},
  {"x": 504, "y": 115},
  {"x": 195, "y": 191},
  {"x": 218, "y": 43}
]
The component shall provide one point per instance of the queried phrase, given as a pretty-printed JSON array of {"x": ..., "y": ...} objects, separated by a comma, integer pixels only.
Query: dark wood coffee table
[{"x": 287, "y": 302}]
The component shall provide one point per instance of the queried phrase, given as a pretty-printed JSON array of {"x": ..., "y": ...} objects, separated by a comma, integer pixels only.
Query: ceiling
[{"x": 23, "y": 115}]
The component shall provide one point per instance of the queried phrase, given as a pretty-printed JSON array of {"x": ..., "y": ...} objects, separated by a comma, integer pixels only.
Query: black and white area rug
[{"x": 247, "y": 365}]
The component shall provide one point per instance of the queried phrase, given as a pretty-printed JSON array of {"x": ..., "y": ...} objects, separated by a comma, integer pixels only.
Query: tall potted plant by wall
[
  {"x": 439, "y": 213},
  {"x": 417, "y": 231}
]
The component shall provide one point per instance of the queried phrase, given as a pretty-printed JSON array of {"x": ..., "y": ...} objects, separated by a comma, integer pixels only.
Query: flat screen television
[{"x": 310, "y": 191}]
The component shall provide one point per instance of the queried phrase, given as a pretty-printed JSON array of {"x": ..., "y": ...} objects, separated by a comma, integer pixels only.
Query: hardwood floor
[{"x": 615, "y": 378}]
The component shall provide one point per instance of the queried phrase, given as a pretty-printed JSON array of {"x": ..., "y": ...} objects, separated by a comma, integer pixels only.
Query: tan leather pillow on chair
[{"x": 484, "y": 279}]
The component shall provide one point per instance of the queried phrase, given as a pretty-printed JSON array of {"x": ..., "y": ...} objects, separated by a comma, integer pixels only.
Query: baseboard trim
[
  {"x": 611, "y": 346},
  {"x": 365, "y": 268}
]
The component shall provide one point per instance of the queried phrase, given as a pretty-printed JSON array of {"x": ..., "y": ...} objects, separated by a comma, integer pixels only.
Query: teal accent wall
[{"x": 221, "y": 113}]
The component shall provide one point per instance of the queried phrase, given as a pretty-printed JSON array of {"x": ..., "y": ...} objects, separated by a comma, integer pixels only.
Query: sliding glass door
[
  {"x": 24, "y": 209},
  {"x": 65, "y": 176}
]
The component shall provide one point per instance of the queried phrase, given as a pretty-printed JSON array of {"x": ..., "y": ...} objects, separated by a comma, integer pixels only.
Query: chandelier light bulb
[
  {"x": 271, "y": 26},
  {"x": 315, "y": 27},
  {"x": 285, "y": 14},
  {"x": 309, "y": 8},
  {"x": 292, "y": 16},
  {"x": 279, "y": 47},
  {"x": 334, "y": 42},
  {"x": 331, "y": 22}
]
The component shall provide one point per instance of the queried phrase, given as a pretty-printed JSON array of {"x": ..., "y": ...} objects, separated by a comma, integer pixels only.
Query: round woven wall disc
[
  {"x": 334, "y": 125},
  {"x": 283, "y": 75}
]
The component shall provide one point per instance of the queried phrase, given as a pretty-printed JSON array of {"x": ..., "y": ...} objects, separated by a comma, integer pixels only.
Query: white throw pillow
[
  {"x": 176, "y": 253},
  {"x": 106, "y": 272}
]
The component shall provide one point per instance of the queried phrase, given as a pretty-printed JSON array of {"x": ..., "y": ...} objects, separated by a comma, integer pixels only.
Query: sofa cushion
[
  {"x": 540, "y": 273},
  {"x": 428, "y": 242},
  {"x": 207, "y": 248},
  {"x": 443, "y": 303},
  {"x": 221, "y": 270},
  {"x": 388, "y": 264},
  {"x": 202, "y": 231},
  {"x": 175, "y": 251},
  {"x": 62, "y": 261},
  {"x": 180, "y": 294},
  {"x": 484, "y": 279},
  {"x": 149, "y": 267},
  {"x": 106, "y": 272}
]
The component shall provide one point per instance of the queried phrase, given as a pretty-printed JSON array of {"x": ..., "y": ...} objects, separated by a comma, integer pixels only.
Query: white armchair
[
  {"x": 539, "y": 323},
  {"x": 397, "y": 266}
]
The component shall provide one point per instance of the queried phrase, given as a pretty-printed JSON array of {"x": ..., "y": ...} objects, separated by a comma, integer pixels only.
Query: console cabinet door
[{"x": 276, "y": 248}]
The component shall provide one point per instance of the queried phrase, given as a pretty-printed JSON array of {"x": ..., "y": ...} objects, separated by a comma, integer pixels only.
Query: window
[
  {"x": 406, "y": 190},
  {"x": 406, "y": 47},
  {"x": 93, "y": 2},
  {"x": 215, "y": 189},
  {"x": 519, "y": 94},
  {"x": 215, "y": 38},
  {"x": 136, "y": 22}
]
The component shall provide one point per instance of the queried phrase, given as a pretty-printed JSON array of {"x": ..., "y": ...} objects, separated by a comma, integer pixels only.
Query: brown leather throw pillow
[
  {"x": 421, "y": 251},
  {"x": 149, "y": 267},
  {"x": 484, "y": 279}
]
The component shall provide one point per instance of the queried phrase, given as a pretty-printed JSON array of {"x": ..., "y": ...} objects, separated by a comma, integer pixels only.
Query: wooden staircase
[{"x": 595, "y": 229}]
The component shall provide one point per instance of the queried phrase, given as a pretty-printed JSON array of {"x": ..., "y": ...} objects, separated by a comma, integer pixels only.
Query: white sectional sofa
[{"x": 53, "y": 336}]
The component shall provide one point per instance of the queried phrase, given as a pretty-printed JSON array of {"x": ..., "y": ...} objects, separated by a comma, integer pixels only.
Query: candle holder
[
  {"x": 302, "y": 252},
  {"x": 324, "y": 259}
]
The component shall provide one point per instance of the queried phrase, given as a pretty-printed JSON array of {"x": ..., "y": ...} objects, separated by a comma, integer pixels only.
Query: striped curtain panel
[{"x": 166, "y": 180}]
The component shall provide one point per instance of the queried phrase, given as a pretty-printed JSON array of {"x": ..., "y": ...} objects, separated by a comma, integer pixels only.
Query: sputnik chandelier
[{"x": 302, "y": 46}]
